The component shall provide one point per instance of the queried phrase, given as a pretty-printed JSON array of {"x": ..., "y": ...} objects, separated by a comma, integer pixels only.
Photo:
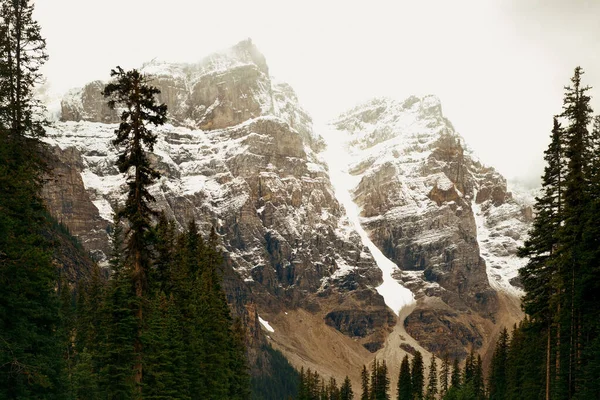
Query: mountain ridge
[{"x": 242, "y": 155}]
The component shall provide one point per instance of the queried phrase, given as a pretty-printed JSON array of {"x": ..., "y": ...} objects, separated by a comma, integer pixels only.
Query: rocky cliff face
[
  {"x": 241, "y": 154},
  {"x": 252, "y": 171},
  {"x": 423, "y": 195}
]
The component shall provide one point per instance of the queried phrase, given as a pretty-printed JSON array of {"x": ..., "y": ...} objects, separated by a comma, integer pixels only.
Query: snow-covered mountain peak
[
  {"x": 415, "y": 120},
  {"x": 243, "y": 54}
]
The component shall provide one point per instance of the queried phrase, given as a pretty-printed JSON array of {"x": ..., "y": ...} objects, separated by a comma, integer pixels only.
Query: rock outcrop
[{"x": 417, "y": 188}]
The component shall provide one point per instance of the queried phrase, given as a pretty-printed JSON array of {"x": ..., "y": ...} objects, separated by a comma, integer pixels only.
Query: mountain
[
  {"x": 308, "y": 259},
  {"x": 447, "y": 221}
]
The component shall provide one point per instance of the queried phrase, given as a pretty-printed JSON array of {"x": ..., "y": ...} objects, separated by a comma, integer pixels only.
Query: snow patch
[
  {"x": 266, "y": 325},
  {"x": 104, "y": 209},
  {"x": 394, "y": 294},
  {"x": 498, "y": 251}
]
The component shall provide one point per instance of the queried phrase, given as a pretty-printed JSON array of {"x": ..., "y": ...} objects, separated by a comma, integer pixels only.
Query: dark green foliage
[
  {"x": 417, "y": 374},
  {"x": 364, "y": 379},
  {"x": 282, "y": 383},
  {"x": 497, "y": 376},
  {"x": 404, "y": 381},
  {"x": 456, "y": 374},
  {"x": 346, "y": 392},
  {"x": 380, "y": 382},
  {"x": 539, "y": 276},
  {"x": 560, "y": 278},
  {"x": 131, "y": 91},
  {"x": 32, "y": 336},
  {"x": 473, "y": 377},
  {"x": 192, "y": 349},
  {"x": 118, "y": 353},
  {"x": 445, "y": 375},
  {"x": 525, "y": 368},
  {"x": 23, "y": 54},
  {"x": 432, "y": 381},
  {"x": 165, "y": 375},
  {"x": 311, "y": 386}
]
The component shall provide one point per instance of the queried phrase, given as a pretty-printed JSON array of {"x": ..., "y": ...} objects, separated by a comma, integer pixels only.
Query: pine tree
[
  {"x": 23, "y": 54},
  {"x": 456, "y": 374},
  {"x": 31, "y": 365},
  {"x": 417, "y": 376},
  {"x": 164, "y": 246},
  {"x": 90, "y": 333},
  {"x": 239, "y": 382},
  {"x": 572, "y": 253},
  {"x": 469, "y": 371},
  {"x": 538, "y": 276},
  {"x": 67, "y": 331},
  {"x": 164, "y": 356},
  {"x": 432, "y": 381},
  {"x": 478, "y": 381},
  {"x": 346, "y": 392},
  {"x": 366, "y": 389},
  {"x": 132, "y": 91},
  {"x": 116, "y": 348},
  {"x": 333, "y": 392},
  {"x": 383, "y": 382},
  {"x": 445, "y": 375},
  {"x": 374, "y": 380},
  {"x": 590, "y": 285},
  {"x": 497, "y": 379},
  {"x": 404, "y": 381}
]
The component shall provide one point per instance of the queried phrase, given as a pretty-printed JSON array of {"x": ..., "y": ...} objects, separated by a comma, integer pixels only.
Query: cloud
[{"x": 498, "y": 66}]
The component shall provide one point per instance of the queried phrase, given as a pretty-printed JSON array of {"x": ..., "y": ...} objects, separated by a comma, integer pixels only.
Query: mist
[{"x": 499, "y": 67}]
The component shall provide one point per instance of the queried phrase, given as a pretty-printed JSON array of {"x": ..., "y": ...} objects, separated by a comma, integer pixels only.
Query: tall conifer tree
[
  {"x": 497, "y": 376},
  {"x": 131, "y": 91},
  {"x": 30, "y": 347},
  {"x": 346, "y": 392},
  {"x": 404, "y": 380},
  {"x": 417, "y": 376},
  {"x": 364, "y": 379},
  {"x": 432, "y": 381}
]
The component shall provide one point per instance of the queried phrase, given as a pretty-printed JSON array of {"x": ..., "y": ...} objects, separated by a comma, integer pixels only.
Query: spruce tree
[
  {"x": 417, "y": 376},
  {"x": 497, "y": 378},
  {"x": 374, "y": 379},
  {"x": 119, "y": 325},
  {"x": 31, "y": 365},
  {"x": 333, "y": 392},
  {"x": 432, "y": 381},
  {"x": 23, "y": 54},
  {"x": 404, "y": 381},
  {"x": 572, "y": 252},
  {"x": 478, "y": 380},
  {"x": 538, "y": 276},
  {"x": 131, "y": 90},
  {"x": 164, "y": 352},
  {"x": 383, "y": 382},
  {"x": 366, "y": 390},
  {"x": 445, "y": 375},
  {"x": 346, "y": 392},
  {"x": 455, "y": 379}
]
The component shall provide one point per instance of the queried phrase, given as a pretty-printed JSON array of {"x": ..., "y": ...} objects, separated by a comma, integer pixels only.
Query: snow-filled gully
[{"x": 338, "y": 159}]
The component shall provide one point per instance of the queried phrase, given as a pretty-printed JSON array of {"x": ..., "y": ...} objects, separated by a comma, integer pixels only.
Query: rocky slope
[
  {"x": 447, "y": 221},
  {"x": 241, "y": 154}
]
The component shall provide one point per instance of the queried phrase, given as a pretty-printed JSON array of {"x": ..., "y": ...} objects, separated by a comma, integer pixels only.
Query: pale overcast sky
[{"x": 498, "y": 66}]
